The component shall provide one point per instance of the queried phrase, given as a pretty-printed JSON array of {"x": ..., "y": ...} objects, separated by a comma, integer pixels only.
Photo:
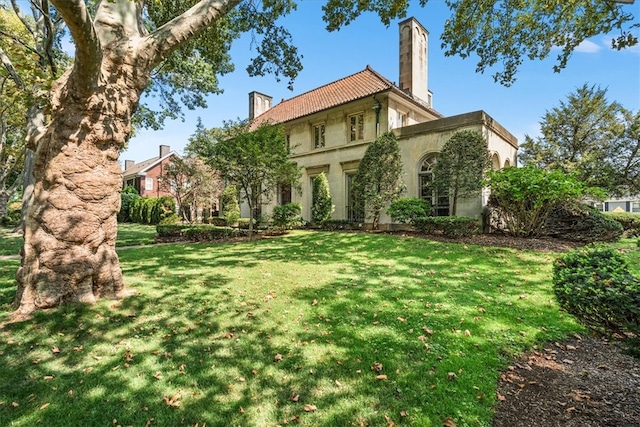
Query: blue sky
[{"x": 456, "y": 87}]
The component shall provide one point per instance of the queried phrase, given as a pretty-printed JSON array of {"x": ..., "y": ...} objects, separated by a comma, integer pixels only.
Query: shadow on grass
[{"x": 285, "y": 330}]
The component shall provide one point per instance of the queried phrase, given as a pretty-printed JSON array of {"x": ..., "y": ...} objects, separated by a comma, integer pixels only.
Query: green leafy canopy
[{"x": 595, "y": 139}]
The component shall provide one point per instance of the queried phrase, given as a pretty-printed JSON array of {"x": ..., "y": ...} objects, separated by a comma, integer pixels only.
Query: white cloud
[{"x": 588, "y": 47}]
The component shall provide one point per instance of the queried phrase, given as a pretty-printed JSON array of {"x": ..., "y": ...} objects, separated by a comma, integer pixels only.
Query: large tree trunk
[{"x": 70, "y": 227}]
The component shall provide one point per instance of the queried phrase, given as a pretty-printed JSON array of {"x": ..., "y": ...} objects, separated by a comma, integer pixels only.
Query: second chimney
[
  {"x": 164, "y": 150},
  {"x": 258, "y": 104}
]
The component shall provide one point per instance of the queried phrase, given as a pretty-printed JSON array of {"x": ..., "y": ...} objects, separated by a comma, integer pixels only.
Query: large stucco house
[{"x": 330, "y": 127}]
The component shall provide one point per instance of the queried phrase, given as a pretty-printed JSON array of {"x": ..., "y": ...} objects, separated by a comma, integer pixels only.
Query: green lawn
[
  {"x": 310, "y": 329},
  {"x": 10, "y": 243},
  {"x": 128, "y": 235}
]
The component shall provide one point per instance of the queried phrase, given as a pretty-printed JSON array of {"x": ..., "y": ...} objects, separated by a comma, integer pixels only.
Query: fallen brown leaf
[
  {"x": 310, "y": 408},
  {"x": 449, "y": 423},
  {"x": 173, "y": 401}
]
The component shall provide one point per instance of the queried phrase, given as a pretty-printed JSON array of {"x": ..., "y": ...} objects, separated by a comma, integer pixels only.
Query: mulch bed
[{"x": 582, "y": 382}]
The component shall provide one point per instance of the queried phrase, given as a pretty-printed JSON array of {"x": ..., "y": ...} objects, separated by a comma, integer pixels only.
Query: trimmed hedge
[
  {"x": 217, "y": 220},
  {"x": 407, "y": 210},
  {"x": 151, "y": 210},
  {"x": 578, "y": 222},
  {"x": 341, "y": 224},
  {"x": 198, "y": 232},
  {"x": 287, "y": 216},
  {"x": 452, "y": 226},
  {"x": 594, "y": 284},
  {"x": 630, "y": 222}
]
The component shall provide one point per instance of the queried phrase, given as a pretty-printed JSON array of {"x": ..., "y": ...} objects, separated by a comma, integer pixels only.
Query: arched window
[
  {"x": 438, "y": 200},
  {"x": 507, "y": 163},
  {"x": 495, "y": 162}
]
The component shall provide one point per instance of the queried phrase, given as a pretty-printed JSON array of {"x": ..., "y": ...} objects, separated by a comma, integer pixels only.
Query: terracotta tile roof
[{"x": 356, "y": 86}]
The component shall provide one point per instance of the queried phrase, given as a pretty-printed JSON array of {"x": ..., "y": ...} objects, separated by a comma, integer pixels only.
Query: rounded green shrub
[
  {"x": 287, "y": 216},
  {"x": 595, "y": 285},
  {"x": 407, "y": 210}
]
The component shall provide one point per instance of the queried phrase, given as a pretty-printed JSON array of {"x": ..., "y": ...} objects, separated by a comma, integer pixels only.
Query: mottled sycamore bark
[{"x": 70, "y": 228}]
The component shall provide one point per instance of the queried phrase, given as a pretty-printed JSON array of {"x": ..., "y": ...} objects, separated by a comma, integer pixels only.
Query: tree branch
[
  {"x": 49, "y": 37},
  {"x": 160, "y": 43},
  {"x": 88, "y": 58},
  {"x": 8, "y": 65},
  {"x": 21, "y": 17}
]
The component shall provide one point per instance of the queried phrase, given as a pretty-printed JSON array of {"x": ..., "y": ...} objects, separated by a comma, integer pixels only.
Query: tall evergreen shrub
[
  {"x": 321, "y": 206},
  {"x": 230, "y": 206}
]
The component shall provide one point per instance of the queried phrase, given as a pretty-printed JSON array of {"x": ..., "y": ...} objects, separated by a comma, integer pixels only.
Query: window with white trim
[
  {"x": 318, "y": 135},
  {"x": 148, "y": 184},
  {"x": 356, "y": 127},
  {"x": 438, "y": 200}
]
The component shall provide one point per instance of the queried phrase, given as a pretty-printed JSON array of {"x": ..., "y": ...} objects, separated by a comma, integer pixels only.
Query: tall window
[
  {"x": 401, "y": 119},
  {"x": 285, "y": 194},
  {"x": 356, "y": 127},
  {"x": 148, "y": 184},
  {"x": 318, "y": 136},
  {"x": 439, "y": 201},
  {"x": 353, "y": 212}
]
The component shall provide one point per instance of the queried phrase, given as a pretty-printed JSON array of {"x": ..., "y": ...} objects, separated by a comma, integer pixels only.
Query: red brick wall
[{"x": 154, "y": 173}]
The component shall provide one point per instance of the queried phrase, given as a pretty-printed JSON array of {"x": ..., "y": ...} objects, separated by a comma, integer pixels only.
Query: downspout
[{"x": 376, "y": 107}]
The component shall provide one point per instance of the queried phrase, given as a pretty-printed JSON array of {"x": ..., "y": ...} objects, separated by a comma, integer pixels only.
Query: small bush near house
[
  {"x": 127, "y": 196},
  {"x": 321, "y": 205},
  {"x": 151, "y": 210},
  {"x": 630, "y": 222},
  {"x": 230, "y": 206},
  {"x": 287, "y": 216},
  {"x": 407, "y": 210},
  {"x": 197, "y": 232},
  {"x": 452, "y": 226},
  {"x": 522, "y": 198},
  {"x": 594, "y": 284},
  {"x": 581, "y": 223},
  {"x": 14, "y": 213},
  {"x": 216, "y": 220}
]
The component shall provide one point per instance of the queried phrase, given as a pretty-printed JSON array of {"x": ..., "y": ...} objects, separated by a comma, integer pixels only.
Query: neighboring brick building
[{"x": 144, "y": 176}]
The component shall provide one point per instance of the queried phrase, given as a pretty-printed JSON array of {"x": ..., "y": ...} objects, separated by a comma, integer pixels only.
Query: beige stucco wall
[{"x": 340, "y": 157}]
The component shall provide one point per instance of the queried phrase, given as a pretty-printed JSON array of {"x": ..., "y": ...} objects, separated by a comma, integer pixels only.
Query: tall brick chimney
[
  {"x": 129, "y": 164},
  {"x": 164, "y": 150}
]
